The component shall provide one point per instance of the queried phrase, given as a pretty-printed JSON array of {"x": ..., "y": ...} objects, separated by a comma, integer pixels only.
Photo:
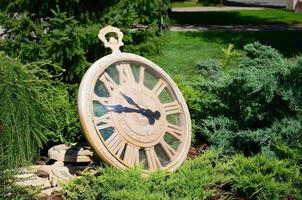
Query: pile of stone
[{"x": 63, "y": 163}]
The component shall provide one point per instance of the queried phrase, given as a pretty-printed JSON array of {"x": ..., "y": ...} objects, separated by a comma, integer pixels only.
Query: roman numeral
[
  {"x": 141, "y": 75},
  {"x": 102, "y": 100},
  {"x": 159, "y": 87},
  {"x": 108, "y": 82},
  {"x": 168, "y": 149},
  {"x": 131, "y": 156},
  {"x": 175, "y": 131},
  {"x": 152, "y": 159},
  {"x": 116, "y": 144},
  {"x": 172, "y": 108},
  {"x": 125, "y": 73},
  {"x": 103, "y": 121}
]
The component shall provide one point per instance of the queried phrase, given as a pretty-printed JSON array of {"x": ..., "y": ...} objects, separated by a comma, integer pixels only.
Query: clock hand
[
  {"x": 156, "y": 114},
  {"x": 130, "y": 100},
  {"x": 151, "y": 120},
  {"x": 120, "y": 109},
  {"x": 150, "y": 115},
  {"x": 148, "y": 112},
  {"x": 145, "y": 112}
]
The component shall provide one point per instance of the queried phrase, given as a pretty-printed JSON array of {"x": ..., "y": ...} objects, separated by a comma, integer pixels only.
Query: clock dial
[{"x": 135, "y": 114}]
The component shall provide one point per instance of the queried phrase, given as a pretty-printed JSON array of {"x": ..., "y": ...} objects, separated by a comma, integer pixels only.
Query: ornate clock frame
[{"x": 135, "y": 114}]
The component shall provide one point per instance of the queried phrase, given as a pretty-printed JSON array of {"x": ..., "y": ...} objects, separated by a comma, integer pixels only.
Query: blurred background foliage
[{"x": 65, "y": 32}]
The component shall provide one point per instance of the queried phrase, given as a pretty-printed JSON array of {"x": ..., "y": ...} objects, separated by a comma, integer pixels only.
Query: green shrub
[
  {"x": 196, "y": 179},
  {"x": 260, "y": 177},
  {"x": 113, "y": 184},
  {"x": 63, "y": 120},
  {"x": 252, "y": 107},
  {"x": 66, "y": 32},
  {"x": 144, "y": 12},
  {"x": 10, "y": 191},
  {"x": 23, "y": 100},
  {"x": 291, "y": 153},
  {"x": 194, "y": 100},
  {"x": 209, "y": 176},
  {"x": 70, "y": 46},
  {"x": 82, "y": 10},
  {"x": 34, "y": 109}
]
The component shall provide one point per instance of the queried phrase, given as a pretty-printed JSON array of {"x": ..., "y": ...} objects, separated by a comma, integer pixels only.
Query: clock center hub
[{"x": 142, "y": 121}]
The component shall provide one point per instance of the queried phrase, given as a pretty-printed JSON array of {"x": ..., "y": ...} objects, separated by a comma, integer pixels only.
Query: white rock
[
  {"x": 49, "y": 191},
  {"x": 62, "y": 172},
  {"x": 35, "y": 181},
  {"x": 25, "y": 176},
  {"x": 73, "y": 153},
  {"x": 45, "y": 168}
]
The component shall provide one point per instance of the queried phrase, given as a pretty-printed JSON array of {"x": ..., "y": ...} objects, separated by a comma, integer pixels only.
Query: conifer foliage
[
  {"x": 255, "y": 106},
  {"x": 24, "y": 107},
  {"x": 65, "y": 32}
]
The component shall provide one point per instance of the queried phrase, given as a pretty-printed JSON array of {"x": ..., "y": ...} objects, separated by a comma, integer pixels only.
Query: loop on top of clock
[{"x": 113, "y": 43}]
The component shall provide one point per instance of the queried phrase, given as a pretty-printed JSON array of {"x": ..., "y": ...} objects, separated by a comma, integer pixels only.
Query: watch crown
[{"x": 114, "y": 43}]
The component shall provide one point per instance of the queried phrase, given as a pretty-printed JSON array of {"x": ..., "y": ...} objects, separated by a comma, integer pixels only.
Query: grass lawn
[
  {"x": 178, "y": 4},
  {"x": 183, "y": 49},
  {"x": 266, "y": 16}
]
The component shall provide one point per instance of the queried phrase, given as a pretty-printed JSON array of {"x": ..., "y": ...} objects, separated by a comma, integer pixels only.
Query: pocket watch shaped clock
[{"x": 131, "y": 111}]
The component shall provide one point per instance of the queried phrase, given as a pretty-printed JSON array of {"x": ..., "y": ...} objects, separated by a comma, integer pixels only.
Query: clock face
[{"x": 132, "y": 113}]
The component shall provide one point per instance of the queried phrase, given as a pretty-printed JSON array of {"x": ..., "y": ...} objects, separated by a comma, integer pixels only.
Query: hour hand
[{"x": 120, "y": 109}]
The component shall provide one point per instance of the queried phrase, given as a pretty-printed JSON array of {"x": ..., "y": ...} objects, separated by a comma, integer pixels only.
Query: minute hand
[
  {"x": 146, "y": 112},
  {"x": 130, "y": 100}
]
